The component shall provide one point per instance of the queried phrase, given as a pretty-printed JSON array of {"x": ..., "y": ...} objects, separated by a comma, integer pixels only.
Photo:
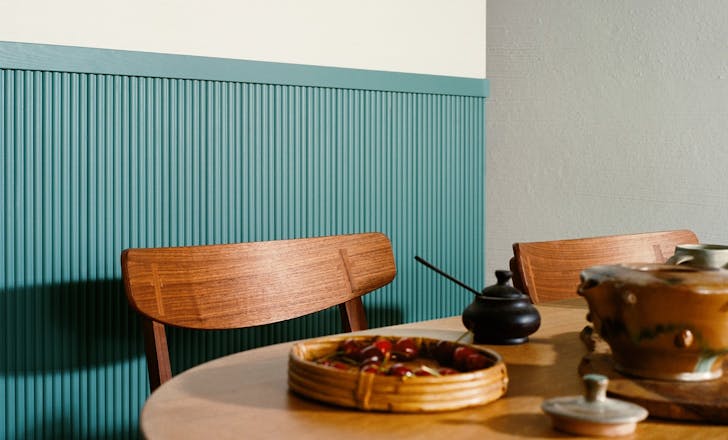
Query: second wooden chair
[{"x": 549, "y": 270}]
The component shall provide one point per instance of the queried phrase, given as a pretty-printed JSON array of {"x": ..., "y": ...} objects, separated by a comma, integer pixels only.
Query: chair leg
[
  {"x": 155, "y": 347},
  {"x": 353, "y": 316}
]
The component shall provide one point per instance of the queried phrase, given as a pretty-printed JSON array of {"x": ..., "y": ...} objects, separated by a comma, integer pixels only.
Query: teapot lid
[
  {"x": 594, "y": 413},
  {"x": 674, "y": 276},
  {"x": 501, "y": 289}
]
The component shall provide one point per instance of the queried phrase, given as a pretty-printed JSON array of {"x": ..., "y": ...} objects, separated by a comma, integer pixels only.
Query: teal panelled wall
[{"x": 95, "y": 163}]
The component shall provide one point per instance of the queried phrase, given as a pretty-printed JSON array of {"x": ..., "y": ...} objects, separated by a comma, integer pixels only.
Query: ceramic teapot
[
  {"x": 661, "y": 321},
  {"x": 499, "y": 314}
]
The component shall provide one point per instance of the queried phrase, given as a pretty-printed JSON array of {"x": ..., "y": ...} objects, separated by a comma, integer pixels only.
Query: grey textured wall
[{"x": 605, "y": 117}]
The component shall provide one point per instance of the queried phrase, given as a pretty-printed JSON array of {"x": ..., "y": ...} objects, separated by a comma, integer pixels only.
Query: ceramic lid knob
[
  {"x": 594, "y": 413},
  {"x": 596, "y": 387},
  {"x": 502, "y": 289}
]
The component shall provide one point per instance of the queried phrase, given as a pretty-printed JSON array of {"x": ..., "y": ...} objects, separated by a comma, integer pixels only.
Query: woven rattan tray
[{"x": 366, "y": 391}]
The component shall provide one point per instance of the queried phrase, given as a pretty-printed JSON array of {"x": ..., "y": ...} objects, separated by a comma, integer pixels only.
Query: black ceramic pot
[{"x": 501, "y": 314}]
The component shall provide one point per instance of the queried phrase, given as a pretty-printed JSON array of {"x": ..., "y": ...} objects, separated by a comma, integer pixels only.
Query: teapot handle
[{"x": 679, "y": 259}]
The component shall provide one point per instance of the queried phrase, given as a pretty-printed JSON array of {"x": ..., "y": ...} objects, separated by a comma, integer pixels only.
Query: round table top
[{"x": 245, "y": 395}]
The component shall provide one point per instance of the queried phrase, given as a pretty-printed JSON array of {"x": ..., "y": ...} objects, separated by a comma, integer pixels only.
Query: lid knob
[
  {"x": 502, "y": 289},
  {"x": 503, "y": 276},
  {"x": 596, "y": 387}
]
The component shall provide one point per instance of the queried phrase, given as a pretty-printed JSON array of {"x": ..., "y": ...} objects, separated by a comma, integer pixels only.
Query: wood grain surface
[
  {"x": 245, "y": 284},
  {"x": 246, "y": 395}
]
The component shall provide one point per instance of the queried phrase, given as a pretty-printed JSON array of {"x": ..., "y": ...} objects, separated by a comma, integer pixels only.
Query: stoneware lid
[
  {"x": 661, "y": 275},
  {"x": 594, "y": 413}
]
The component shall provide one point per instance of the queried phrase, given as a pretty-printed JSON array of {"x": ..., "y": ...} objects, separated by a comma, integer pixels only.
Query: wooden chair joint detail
[
  {"x": 347, "y": 269},
  {"x": 157, "y": 289}
]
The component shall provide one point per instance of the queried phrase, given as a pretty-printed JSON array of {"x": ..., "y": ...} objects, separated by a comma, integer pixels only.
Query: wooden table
[{"x": 245, "y": 395}]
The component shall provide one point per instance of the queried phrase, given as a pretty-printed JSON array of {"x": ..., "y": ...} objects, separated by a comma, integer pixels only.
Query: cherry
[
  {"x": 443, "y": 352},
  {"x": 400, "y": 369},
  {"x": 459, "y": 356},
  {"x": 476, "y": 361},
  {"x": 350, "y": 348},
  {"x": 420, "y": 372},
  {"x": 445, "y": 371},
  {"x": 335, "y": 364},
  {"x": 405, "y": 349},
  {"x": 370, "y": 368},
  {"x": 384, "y": 345},
  {"x": 375, "y": 359},
  {"x": 370, "y": 351}
]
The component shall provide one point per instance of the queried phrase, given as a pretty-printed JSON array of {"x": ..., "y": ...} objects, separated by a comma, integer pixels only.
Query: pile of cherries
[{"x": 382, "y": 356}]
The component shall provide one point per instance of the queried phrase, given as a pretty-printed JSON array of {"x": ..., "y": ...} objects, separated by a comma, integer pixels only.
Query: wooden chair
[
  {"x": 248, "y": 284},
  {"x": 549, "y": 270}
]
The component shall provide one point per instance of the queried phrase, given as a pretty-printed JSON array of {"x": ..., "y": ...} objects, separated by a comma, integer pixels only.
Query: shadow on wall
[
  {"x": 62, "y": 428},
  {"x": 81, "y": 325},
  {"x": 68, "y": 326},
  {"x": 73, "y": 357},
  {"x": 68, "y": 350}
]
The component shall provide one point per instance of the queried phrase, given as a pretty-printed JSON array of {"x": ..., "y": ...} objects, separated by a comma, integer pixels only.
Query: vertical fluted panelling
[{"x": 92, "y": 164}]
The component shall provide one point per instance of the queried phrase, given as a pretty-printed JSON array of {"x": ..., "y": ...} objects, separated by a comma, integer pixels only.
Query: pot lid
[
  {"x": 501, "y": 289},
  {"x": 594, "y": 413},
  {"x": 691, "y": 278}
]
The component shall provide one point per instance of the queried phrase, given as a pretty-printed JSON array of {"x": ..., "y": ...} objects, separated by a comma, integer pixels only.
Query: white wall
[
  {"x": 417, "y": 36},
  {"x": 605, "y": 117}
]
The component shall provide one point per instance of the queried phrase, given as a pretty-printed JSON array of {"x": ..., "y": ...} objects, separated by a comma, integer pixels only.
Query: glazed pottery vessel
[{"x": 661, "y": 321}]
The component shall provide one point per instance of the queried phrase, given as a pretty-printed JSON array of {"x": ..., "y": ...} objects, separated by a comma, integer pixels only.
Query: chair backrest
[
  {"x": 248, "y": 284},
  {"x": 549, "y": 270}
]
